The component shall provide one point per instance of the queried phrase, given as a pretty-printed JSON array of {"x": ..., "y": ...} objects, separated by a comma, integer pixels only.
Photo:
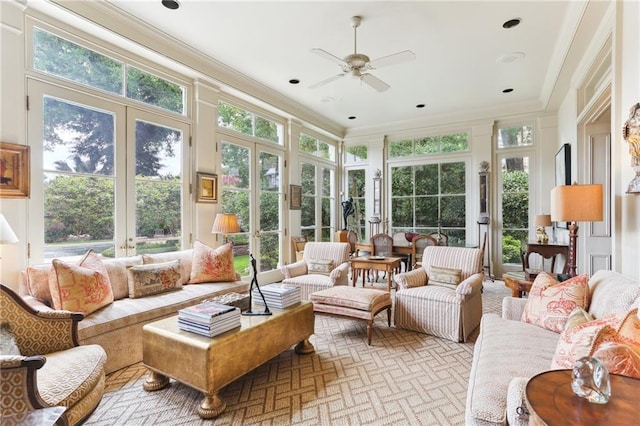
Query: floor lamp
[{"x": 576, "y": 203}]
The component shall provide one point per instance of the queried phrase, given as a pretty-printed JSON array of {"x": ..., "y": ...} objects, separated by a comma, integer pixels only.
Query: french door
[
  {"x": 112, "y": 176},
  {"x": 252, "y": 189}
]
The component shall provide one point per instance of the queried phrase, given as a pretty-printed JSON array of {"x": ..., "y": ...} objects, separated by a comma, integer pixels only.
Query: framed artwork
[
  {"x": 563, "y": 173},
  {"x": 377, "y": 198},
  {"x": 207, "y": 188},
  {"x": 484, "y": 197},
  {"x": 14, "y": 170},
  {"x": 295, "y": 197}
]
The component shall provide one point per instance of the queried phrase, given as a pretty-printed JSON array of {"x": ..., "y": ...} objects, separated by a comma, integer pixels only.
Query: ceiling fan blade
[
  {"x": 396, "y": 58},
  {"x": 327, "y": 81},
  {"x": 329, "y": 56},
  {"x": 374, "y": 82}
]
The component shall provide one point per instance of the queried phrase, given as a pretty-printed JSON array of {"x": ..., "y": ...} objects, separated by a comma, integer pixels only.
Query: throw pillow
[
  {"x": 212, "y": 265},
  {"x": 184, "y": 256},
  {"x": 320, "y": 266},
  {"x": 576, "y": 317},
  {"x": 8, "y": 340},
  {"x": 619, "y": 359},
  {"x": 37, "y": 278},
  {"x": 84, "y": 287},
  {"x": 582, "y": 339},
  {"x": 629, "y": 330},
  {"x": 445, "y": 277},
  {"x": 154, "y": 278},
  {"x": 550, "y": 302}
]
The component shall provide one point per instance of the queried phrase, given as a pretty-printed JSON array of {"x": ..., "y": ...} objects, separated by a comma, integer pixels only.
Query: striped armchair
[
  {"x": 444, "y": 310},
  {"x": 323, "y": 265}
]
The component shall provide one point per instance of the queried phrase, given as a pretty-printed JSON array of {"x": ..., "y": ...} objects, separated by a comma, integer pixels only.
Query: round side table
[
  {"x": 517, "y": 283},
  {"x": 551, "y": 401}
]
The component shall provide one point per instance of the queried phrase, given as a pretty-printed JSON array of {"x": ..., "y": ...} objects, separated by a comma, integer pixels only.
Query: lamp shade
[
  {"x": 7, "y": 236},
  {"x": 577, "y": 203},
  {"x": 225, "y": 223},
  {"x": 542, "y": 220}
]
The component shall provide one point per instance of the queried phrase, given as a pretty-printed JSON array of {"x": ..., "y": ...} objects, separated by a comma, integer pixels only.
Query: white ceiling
[{"x": 457, "y": 45}]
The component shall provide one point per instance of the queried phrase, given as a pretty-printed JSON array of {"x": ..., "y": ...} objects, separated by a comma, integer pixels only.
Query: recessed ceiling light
[
  {"x": 507, "y": 58},
  {"x": 294, "y": 81},
  {"x": 170, "y": 4},
  {"x": 511, "y": 23},
  {"x": 509, "y": 90},
  {"x": 352, "y": 117},
  {"x": 420, "y": 106}
]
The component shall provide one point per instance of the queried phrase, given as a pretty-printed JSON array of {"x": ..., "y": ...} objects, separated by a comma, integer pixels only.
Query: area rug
[{"x": 403, "y": 378}]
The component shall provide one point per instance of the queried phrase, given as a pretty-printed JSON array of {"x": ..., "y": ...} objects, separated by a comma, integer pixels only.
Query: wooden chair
[
  {"x": 382, "y": 245},
  {"x": 442, "y": 239},
  {"x": 298, "y": 243},
  {"x": 418, "y": 244},
  {"x": 352, "y": 239},
  {"x": 400, "y": 239}
]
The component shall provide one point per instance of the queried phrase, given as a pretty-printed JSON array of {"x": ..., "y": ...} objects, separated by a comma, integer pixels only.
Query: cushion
[
  {"x": 550, "y": 302},
  {"x": 7, "y": 340},
  {"x": 320, "y": 266},
  {"x": 154, "y": 278},
  {"x": 582, "y": 339},
  {"x": 445, "y": 277},
  {"x": 184, "y": 256},
  {"x": 117, "y": 270},
  {"x": 84, "y": 287},
  {"x": 629, "y": 330},
  {"x": 619, "y": 359},
  {"x": 38, "y": 283},
  {"x": 212, "y": 265},
  {"x": 576, "y": 317}
]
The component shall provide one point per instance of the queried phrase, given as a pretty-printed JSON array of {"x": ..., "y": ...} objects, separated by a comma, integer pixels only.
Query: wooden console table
[
  {"x": 548, "y": 250},
  {"x": 551, "y": 401}
]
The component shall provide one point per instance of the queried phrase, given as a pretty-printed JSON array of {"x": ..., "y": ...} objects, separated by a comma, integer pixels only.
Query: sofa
[
  {"x": 508, "y": 351},
  {"x": 117, "y": 327},
  {"x": 443, "y": 297},
  {"x": 323, "y": 265}
]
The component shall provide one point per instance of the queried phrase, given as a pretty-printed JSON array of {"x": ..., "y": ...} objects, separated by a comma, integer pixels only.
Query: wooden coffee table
[
  {"x": 208, "y": 364},
  {"x": 551, "y": 401},
  {"x": 365, "y": 263},
  {"x": 517, "y": 283}
]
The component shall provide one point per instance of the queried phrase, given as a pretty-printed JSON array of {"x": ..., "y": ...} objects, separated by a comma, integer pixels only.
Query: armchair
[
  {"x": 444, "y": 310},
  {"x": 323, "y": 265},
  {"x": 51, "y": 369}
]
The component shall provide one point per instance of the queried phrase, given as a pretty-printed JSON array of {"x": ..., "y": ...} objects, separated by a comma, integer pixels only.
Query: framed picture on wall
[
  {"x": 207, "y": 188},
  {"x": 14, "y": 170},
  {"x": 563, "y": 172},
  {"x": 295, "y": 197}
]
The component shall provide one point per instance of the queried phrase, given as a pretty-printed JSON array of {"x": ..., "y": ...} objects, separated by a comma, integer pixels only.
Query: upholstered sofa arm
[
  {"x": 340, "y": 273},
  {"x": 512, "y": 308},
  {"x": 517, "y": 413},
  {"x": 19, "y": 383},
  {"x": 471, "y": 285},
  {"x": 294, "y": 269},
  {"x": 414, "y": 278}
]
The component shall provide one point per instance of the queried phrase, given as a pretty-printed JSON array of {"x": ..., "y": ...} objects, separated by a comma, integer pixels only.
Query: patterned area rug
[{"x": 403, "y": 378}]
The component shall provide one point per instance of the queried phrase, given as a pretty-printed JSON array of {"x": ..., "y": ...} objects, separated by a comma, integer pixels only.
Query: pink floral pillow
[
  {"x": 550, "y": 303},
  {"x": 619, "y": 359},
  {"x": 212, "y": 265},
  {"x": 82, "y": 287}
]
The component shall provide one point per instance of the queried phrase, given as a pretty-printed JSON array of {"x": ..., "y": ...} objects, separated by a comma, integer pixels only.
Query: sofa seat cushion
[
  {"x": 69, "y": 376},
  {"x": 133, "y": 311},
  {"x": 505, "y": 349}
]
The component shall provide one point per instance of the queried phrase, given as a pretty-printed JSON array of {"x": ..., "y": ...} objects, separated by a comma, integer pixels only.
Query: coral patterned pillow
[
  {"x": 619, "y": 359},
  {"x": 550, "y": 302},
  {"x": 84, "y": 287},
  {"x": 212, "y": 265}
]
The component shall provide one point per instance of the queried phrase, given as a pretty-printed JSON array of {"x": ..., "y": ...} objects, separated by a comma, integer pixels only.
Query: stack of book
[
  {"x": 209, "y": 318},
  {"x": 277, "y": 295}
]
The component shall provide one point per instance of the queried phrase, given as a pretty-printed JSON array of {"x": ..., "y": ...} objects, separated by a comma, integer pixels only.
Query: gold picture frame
[
  {"x": 207, "y": 188},
  {"x": 14, "y": 171},
  {"x": 295, "y": 197}
]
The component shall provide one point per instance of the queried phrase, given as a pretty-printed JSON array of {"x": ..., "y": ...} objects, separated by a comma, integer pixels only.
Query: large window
[
  {"x": 429, "y": 145},
  {"x": 430, "y": 198},
  {"x": 248, "y": 123},
  {"x": 356, "y": 190}
]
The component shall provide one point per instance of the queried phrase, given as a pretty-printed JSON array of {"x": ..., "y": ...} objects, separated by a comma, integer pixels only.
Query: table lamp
[
  {"x": 541, "y": 221},
  {"x": 575, "y": 203},
  {"x": 7, "y": 236},
  {"x": 225, "y": 223}
]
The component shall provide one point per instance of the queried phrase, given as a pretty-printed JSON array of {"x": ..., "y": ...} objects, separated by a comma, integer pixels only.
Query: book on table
[
  {"x": 277, "y": 295},
  {"x": 217, "y": 324},
  {"x": 205, "y": 312}
]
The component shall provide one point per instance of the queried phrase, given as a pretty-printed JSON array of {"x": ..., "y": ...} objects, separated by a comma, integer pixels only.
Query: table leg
[
  {"x": 354, "y": 277},
  {"x": 389, "y": 270},
  {"x": 305, "y": 347},
  {"x": 155, "y": 381},
  {"x": 211, "y": 406}
]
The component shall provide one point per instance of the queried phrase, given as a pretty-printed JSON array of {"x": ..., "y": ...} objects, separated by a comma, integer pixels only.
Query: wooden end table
[
  {"x": 365, "y": 263},
  {"x": 551, "y": 401},
  {"x": 517, "y": 283}
]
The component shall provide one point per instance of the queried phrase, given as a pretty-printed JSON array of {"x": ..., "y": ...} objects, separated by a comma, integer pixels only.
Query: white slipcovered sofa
[
  {"x": 118, "y": 326},
  {"x": 323, "y": 265},
  {"x": 451, "y": 311},
  {"x": 508, "y": 352}
]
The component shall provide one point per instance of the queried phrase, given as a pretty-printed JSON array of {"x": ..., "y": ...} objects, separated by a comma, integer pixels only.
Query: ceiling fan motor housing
[{"x": 356, "y": 61}]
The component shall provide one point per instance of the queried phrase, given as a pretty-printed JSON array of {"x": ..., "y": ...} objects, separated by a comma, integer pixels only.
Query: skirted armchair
[
  {"x": 42, "y": 365},
  {"x": 323, "y": 265},
  {"x": 443, "y": 296}
]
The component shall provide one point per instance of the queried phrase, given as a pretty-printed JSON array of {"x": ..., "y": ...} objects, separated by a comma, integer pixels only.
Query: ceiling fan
[{"x": 357, "y": 64}]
